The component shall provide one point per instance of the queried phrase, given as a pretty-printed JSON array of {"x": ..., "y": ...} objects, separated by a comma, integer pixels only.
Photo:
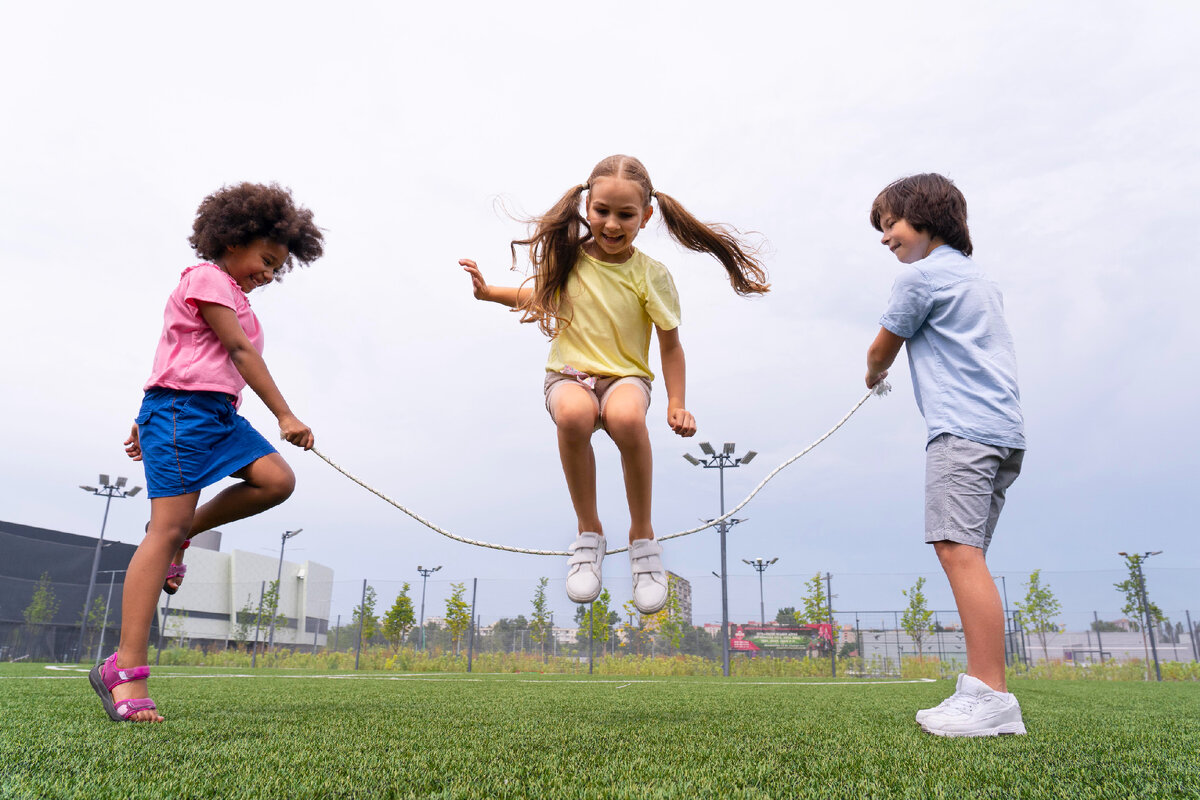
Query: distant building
[
  {"x": 682, "y": 589},
  {"x": 205, "y": 610}
]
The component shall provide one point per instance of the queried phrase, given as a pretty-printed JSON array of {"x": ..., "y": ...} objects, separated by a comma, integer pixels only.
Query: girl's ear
[{"x": 647, "y": 214}]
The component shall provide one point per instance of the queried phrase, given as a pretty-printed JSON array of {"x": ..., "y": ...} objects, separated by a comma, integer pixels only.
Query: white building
[{"x": 220, "y": 585}]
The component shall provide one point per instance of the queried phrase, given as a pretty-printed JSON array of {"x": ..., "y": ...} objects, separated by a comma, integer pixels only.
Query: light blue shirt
[{"x": 960, "y": 352}]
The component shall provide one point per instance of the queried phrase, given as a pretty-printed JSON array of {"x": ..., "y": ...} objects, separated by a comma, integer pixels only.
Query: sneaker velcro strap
[{"x": 651, "y": 563}]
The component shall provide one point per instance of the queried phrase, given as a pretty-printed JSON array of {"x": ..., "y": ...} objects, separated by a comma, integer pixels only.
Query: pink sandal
[
  {"x": 104, "y": 677},
  {"x": 176, "y": 570}
]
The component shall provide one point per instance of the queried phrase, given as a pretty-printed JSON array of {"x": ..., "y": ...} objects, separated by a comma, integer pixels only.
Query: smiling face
[
  {"x": 616, "y": 212},
  {"x": 906, "y": 242},
  {"x": 253, "y": 265}
]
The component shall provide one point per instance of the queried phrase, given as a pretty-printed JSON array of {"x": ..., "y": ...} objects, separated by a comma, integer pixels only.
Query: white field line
[{"x": 436, "y": 678}]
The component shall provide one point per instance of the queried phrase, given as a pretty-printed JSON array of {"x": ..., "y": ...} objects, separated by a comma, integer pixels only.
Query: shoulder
[
  {"x": 649, "y": 268},
  {"x": 210, "y": 283}
]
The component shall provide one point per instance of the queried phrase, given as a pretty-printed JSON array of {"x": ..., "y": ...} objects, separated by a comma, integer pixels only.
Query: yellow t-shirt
[{"x": 612, "y": 308}]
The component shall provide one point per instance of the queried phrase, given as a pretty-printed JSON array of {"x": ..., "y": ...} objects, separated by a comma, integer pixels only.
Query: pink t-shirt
[{"x": 189, "y": 354}]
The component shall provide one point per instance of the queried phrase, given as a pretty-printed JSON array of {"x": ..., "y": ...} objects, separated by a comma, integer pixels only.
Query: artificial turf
[{"x": 289, "y": 734}]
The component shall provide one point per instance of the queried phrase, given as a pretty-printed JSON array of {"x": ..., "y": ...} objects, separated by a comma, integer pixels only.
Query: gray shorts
[
  {"x": 599, "y": 393},
  {"x": 965, "y": 482}
]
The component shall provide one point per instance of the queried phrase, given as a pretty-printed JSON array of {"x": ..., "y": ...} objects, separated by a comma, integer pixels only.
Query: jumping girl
[
  {"x": 596, "y": 297},
  {"x": 188, "y": 431}
]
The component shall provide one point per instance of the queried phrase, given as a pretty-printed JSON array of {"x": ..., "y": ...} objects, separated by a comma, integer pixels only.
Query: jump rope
[{"x": 881, "y": 389}]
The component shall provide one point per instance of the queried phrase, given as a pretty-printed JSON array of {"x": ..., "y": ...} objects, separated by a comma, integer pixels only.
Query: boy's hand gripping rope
[{"x": 881, "y": 389}]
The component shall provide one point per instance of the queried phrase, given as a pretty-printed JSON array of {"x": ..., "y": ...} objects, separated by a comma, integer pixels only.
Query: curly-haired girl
[
  {"x": 597, "y": 297},
  {"x": 188, "y": 431}
]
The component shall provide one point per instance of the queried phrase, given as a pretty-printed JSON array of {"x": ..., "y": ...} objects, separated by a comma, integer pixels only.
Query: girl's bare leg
[
  {"x": 575, "y": 417},
  {"x": 625, "y": 421},
  {"x": 266, "y": 482},
  {"x": 979, "y": 608},
  {"x": 170, "y": 520}
]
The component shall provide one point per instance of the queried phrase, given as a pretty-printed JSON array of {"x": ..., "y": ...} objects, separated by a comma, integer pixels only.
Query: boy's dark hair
[
  {"x": 929, "y": 202},
  {"x": 237, "y": 215}
]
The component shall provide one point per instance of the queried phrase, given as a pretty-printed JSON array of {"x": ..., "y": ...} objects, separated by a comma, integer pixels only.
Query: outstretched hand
[
  {"x": 682, "y": 422},
  {"x": 479, "y": 286}
]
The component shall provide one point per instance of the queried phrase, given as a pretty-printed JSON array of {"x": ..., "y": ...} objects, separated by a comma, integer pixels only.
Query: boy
[{"x": 960, "y": 354}]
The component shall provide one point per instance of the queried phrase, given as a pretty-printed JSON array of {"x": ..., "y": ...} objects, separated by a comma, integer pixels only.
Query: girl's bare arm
[
  {"x": 511, "y": 296},
  {"x": 223, "y": 320}
]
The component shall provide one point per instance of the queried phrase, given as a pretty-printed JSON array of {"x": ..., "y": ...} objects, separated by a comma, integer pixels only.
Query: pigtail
[
  {"x": 553, "y": 248},
  {"x": 722, "y": 242}
]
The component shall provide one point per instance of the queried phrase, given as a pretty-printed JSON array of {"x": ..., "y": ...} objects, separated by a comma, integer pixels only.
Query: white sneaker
[
  {"x": 649, "y": 577},
  {"x": 925, "y": 712},
  {"x": 583, "y": 574},
  {"x": 976, "y": 710}
]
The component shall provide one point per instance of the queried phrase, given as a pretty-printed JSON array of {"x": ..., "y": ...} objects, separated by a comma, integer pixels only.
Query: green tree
[
  {"x": 540, "y": 626},
  {"x": 458, "y": 614},
  {"x": 271, "y": 607},
  {"x": 917, "y": 620},
  {"x": 95, "y": 619},
  {"x": 786, "y": 616},
  {"x": 1038, "y": 610},
  {"x": 596, "y": 617},
  {"x": 1134, "y": 590},
  {"x": 364, "y": 613},
  {"x": 245, "y": 618},
  {"x": 813, "y": 609},
  {"x": 42, "y": 608},
  {"x": 43, "y": 605},
  {"x": 668, "y": 621},
  {"x": 399, "y": 619}
]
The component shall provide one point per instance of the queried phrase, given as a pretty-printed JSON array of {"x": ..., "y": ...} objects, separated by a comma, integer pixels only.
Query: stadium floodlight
[
  {"x": 425, "y": 573},
  {"x": 107, "y": 490},
  {"x": 279, "y": 586},
  {"x": 691, "y": 459},
  {"x": 761, "y": 565},
  {"x": 721, "y": 461},
  {"x": 750, "y": 454}
]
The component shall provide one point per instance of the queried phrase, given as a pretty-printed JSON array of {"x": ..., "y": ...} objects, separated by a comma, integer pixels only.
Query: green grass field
[{"x": 283, "y": 734}]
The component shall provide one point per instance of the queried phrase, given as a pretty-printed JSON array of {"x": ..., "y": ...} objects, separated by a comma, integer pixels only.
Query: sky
[{"x": 419, "y": 135}]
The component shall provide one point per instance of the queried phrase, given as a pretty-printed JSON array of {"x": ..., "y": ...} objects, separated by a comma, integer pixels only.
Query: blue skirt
[{"x": 191, "y": 440}]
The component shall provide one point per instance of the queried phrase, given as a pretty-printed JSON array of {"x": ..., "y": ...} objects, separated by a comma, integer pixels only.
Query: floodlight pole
[
  {"x": 720, "y": 462},
  {"x": 278, "y": 587},
  {"x": 1138, "y": 558},
  {"x": 107, "y": 490},
  {"x": 760, "y": 564},
  {"x": 425, "y": 573}
]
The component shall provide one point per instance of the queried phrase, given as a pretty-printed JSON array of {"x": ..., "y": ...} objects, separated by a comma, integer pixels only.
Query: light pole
[
  {"x": 760, "y": 565},
  {"x": 108, "y": 490},
  {"x": 1137, "y": 559},
  {"x": 279, "y": 589},
  {"x": 720, "y": 461},
  {"x": 425, "y": 573}
]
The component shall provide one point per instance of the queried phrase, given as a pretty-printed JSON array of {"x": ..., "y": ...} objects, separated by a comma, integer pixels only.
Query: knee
[
  {"x": 281, "y": 486},
  {"x": 575, "y": 423},
  {"x": 625, "y": 427}
]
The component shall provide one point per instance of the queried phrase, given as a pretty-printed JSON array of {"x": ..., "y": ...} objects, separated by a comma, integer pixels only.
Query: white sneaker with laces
[
  {"x": 583, "y": 572},
  {"x": 649, "y": 576},
  {"x": 976, "y": 710},
  {"x": 925, "y": 712}
]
